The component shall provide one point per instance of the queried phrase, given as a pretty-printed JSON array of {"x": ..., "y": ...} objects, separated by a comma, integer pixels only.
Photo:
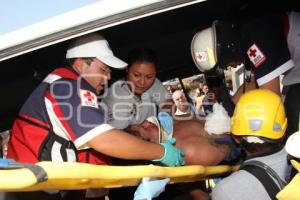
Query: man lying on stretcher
[{"x": 200, "y": 148}]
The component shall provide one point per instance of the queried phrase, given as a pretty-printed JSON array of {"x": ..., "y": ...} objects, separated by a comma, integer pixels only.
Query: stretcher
[{"x": 71, "y": 176}]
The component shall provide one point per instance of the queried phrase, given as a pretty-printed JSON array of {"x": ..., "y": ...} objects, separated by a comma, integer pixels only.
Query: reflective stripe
[
  {"x": 58, "y": 128},
  {"x": 56, "y": 155},
  {"x": 55, "y": 152},
  {"x": 51, "y": 78},
  {"x": 280, "y": 70},
  {"x": 71, "y": 156}
]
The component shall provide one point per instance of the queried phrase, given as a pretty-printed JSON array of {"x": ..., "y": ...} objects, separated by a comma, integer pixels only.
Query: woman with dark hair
[{"x": 140, "y": 95}]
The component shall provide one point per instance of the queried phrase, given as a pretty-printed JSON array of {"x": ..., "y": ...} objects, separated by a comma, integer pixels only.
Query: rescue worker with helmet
[
  {"x": 247, "y": 39},
  {"x": 258, "y": 125},
  {"x": 62, "y": 120}
]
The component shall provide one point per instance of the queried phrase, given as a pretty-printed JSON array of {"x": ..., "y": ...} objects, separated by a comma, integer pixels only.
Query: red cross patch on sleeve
[
  {"x": 256, "y": 56},
  {"x": 88, "y": 98}
]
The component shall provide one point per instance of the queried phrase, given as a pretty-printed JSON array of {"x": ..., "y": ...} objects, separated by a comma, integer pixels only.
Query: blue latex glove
[
  {"x": 166, "y": 123},
  {"x": 173, "y": 156},
  {"x": 150, "y": 188},
  {"x": 6, "y": 163}
]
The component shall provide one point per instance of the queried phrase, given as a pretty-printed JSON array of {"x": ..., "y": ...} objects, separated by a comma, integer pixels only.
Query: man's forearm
[{"x": 119, "y": 144}]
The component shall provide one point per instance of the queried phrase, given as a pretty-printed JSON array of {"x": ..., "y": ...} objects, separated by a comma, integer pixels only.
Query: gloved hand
[
  {"x": 173, "y": 156},
  {"x": 166, "y": 123},
  {"x": 150, "y": 188}
]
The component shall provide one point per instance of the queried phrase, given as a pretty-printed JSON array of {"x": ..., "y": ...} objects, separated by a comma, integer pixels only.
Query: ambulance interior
[{"x": 169, "y": 33}]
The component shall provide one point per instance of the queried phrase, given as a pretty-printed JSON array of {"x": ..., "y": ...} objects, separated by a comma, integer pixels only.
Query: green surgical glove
[{"x": 173, "y": 156}]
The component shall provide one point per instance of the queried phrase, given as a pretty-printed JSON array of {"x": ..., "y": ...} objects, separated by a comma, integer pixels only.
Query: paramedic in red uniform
[{"x": 62, "y": 120}]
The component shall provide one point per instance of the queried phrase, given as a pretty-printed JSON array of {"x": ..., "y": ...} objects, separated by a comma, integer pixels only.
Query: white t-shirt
[{"x": 124, "y": 108}]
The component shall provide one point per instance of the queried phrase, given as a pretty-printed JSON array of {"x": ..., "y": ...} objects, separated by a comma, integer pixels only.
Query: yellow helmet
[{"x": 259, "y": 113}]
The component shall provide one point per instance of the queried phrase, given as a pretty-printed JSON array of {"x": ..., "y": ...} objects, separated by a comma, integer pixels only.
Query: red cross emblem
[
  {"x": 201, "y": 56},
  {"x": 89, "y": 96},
  {"x": 252, "y": 52},
  {"x": 256, "y": 56}
]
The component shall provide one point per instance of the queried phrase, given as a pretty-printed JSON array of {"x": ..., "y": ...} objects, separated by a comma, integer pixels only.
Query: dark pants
[
  {"x": 36, "y": 196},
  {"x": 69, "y": 195}
]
